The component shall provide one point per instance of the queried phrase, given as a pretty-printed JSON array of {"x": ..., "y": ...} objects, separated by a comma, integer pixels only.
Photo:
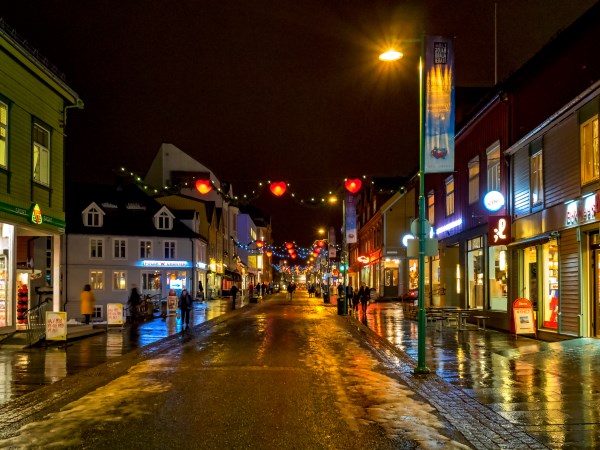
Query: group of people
[
  {"x": 291, "y": 288},
  {"x": 361, "y": 296},
  {"x": 261, "y": 288}
]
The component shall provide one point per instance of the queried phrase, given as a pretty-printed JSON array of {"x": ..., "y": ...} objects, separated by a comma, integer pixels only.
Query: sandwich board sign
[
  {"x": 114, "y": 314},
  {"x": 523, "y": 318},
  {"x": 56, "y": 326}
]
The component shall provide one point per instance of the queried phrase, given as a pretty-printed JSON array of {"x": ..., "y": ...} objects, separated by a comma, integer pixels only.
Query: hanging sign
[
  {"x": 493, "y": 201},
  {"x": 350, "y": 210},
  {"x": 56, "y": 326},
  {"x": 499, "y": 230},
  {"x": 439, "y": 105},
  {"x": 114, "y": 314},
  {"x": 523, "y": 317}
]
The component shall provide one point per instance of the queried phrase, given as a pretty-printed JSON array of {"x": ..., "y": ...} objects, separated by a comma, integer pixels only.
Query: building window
[
  {"x": 164, "y": 221},
  {"x": 119, "y": 281},
  {"x": 493, "y": 168},
  {"x": 3, "y": 135},
  {"x": 97, "y": 314},
  {"x": 93, "y": 217},
  {"x": 537, "y": 179},
  {"x": 151, "y": 281},
  {"x": 450, "y": 196},
  {"x": 96, "y": 248},
  {"x": 119, "y": 249},
  {"x": 170, "y": 249},
  {"x": 473, "y": 180},
  {"x": 498, "y": 278},
  {"x": 431, "y": 207},
  {"x": 145, "y": 249},
  {"x": 41, "y": 155},
  {"x": 475, "y": 273},
  {"x": 97, "y": 280},
  {"x": 590, "y": 159}
]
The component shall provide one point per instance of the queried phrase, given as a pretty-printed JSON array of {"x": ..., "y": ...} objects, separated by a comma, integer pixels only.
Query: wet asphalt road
[
  {"x": 275, "y": 375},
  {"x": 548, "y": 390}
]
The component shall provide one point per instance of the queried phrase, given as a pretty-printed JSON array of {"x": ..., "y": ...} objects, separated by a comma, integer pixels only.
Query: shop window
[
  {"x": 3, "y": 135},
  {"x": 96, "y": 248},
  {"x": 473, "y": 180},
  {"x": 431, "y": 208},
  {"x": 450, "y": 195},
  {"x": 169, "y": 247},
  {"x": 119, "y": 248},
  {"x": 177, "y": 280},
  {"x": 97, "y": 280},
  {"x": 41, "y": 155},
  {"x": 549, "y": 310},
  {"x": 493, "y": 168},
  {"x": 119, "y": 281},
  {"x": 590, "y": 159},
  {"x": 413, "y": 274},
  {"x": 475, "y": 273},
  {"x": 498, "y": 278},
  {"x": 151, "y": 281},
  {"x": 145, "y": 249}
]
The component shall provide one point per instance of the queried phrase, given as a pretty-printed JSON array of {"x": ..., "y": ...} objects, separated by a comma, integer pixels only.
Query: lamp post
[{"x": 393, "y": 55}]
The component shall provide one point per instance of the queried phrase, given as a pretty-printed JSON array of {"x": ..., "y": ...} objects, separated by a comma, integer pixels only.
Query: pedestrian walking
[
  {"x": 250, "y": 291},
  {"x": 233, "y": 291},
  {"x": 87, "y": 303},
  {"x": 363, "y": 294},
  {"x": 134, "y": 303},
  {"x": 185, "y": 307},
  {"x": 291, "y": 288}
]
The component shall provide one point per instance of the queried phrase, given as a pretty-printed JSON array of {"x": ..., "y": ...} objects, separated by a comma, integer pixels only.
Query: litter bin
[
  {"x": 326, "y": 298},
  {"x": 340, "y": 306},
  {"x": 163, "y": 308}
]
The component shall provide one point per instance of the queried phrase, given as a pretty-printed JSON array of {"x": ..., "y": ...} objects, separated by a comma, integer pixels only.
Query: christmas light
[
  {"x": 203, "y": 186},
  {"x": 353, "y": 185},
  {"x": 278, "y": 188}
]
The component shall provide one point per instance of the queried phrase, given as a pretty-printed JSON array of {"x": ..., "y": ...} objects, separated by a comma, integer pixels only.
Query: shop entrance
[{"x": 595, "y": 256}]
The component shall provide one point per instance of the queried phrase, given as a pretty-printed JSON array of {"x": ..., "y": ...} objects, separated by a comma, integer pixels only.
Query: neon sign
[
  {"x": 449, "y": 226},
  {"x": 363, "y": 259},
  {"x": 493, "y": 201},
  {"x": 36, "y": 214},
  {"x": 160, "y": 263}
]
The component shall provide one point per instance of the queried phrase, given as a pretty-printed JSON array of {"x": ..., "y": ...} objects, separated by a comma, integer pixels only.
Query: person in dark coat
[
  {"x": 185, "y": 306},
  {"x": 233, "y": 291},
  {"x": 364, "y": 295},
  {"x": 134, "y": 303}
]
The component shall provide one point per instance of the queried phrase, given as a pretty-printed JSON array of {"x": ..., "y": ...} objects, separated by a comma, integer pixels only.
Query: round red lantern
[
  {"x": 278, "y": 188},
  {"x": 353, "y": 185},
  {"x": 269, "y": 254},
  {"x": 259, "y": 244},
  {"x": 321, "y": 243},
  {"x": 289, "y": 245},
  {"x": 293, "y": 256},
  {"x": 203, "y": 186}
]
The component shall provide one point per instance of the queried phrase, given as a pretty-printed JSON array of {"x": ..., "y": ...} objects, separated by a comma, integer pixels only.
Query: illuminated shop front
[{"x": 161, "y": 276}]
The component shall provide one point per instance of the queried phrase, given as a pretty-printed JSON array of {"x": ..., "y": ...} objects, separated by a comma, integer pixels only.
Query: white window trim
[
  {"x": 94, "y": 288},
  {"x": 92, "y": 208},
  {"x": 164, "y": 213},
  {"x": 113, "y": 280},
  {"x": 115, "y": 240},
  {"x": 99, "y": 239},
  {"x": 140, "y": 248},
  {"x": 174, "y": 249}
]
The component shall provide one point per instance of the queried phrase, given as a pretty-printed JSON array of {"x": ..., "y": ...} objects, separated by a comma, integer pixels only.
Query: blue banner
[
  {"x": 350, "y": 210},
  {"x": 439, "y": 105}
]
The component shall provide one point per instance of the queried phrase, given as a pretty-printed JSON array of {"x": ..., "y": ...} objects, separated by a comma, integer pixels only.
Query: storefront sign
[
  {"x": 114, "y": 313},
  {"x": 493, "y": 201},
  {"x": 449, "y": 226},
  {"x": 27, "y": 213},
  {"x": 36, "y": 214},
  {"x": 363, "y": 259},
  {"x": 499, "y": 230},
  {"x": 164, "y": 263},
  {"x": 590, "y": 207},
  {"x": 572, "y": 214},
  {"x": 523, "y": 317},
  {"x": 56, "y": 326}
]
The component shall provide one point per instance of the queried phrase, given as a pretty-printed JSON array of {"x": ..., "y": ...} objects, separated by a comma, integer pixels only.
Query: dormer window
[
  {"x": 93, "y": 216},
  {"x": 163, "y": 220}
]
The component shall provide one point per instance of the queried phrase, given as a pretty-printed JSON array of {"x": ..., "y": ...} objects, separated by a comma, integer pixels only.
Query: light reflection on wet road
[
  {"x": 25, "y": 370},
  {"x": 552, "y": 389}
]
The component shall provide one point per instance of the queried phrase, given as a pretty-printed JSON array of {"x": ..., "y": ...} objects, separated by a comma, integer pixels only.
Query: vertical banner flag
[
  {"x": 439, "y": 105},
  {"x": 350, "y": 218}
]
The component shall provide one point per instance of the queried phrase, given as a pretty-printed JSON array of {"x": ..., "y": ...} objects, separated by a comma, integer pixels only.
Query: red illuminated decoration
[
  {"x": 278, "y": 188},
  {"x": 321, "y": 243},
  {"x": 203, "y": 186},
  {"x": 259, "y": 244},
  {"x": 291, "y": 251},
  {"x": 269, "y": 254},
  {"x": 317, "y": 250},
  {"x": 353, "y": 185},
  {"x": 289, "y": 245},
  {"x": 293, "y": 256},
  {"x": 363, "y": 259}
]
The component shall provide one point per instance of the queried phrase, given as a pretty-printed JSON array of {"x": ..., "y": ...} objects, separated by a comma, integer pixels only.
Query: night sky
[{"x": 270, "y": 89}]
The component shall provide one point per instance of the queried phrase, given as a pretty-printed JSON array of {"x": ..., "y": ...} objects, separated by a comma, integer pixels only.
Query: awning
[
  {"x": 232, "y": 276},
  {"x": 535, "y": 240}
]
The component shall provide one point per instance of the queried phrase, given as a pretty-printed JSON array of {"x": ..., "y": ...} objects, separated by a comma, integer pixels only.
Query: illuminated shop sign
[
  {"x": 499, "y": 230},
  {"x": 363, "y": 259},
  {"x": 201, "y": 265},
  {"x": 493, "y": 201},
  {"x": 449, "y": 226},
  {"x": 35, "y": 214},
  {"x": 161, "y": 263},
  {"x": 590, "y": 207},
  {"x": 572, "y": 213}
]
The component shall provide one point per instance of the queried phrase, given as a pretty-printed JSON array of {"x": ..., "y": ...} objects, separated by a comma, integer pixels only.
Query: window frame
[
  {"x": 431, "y": 207},
  {"x": 97, "y": 283},
  {"x": 43, "y": 178},
  {"x": 537, "y": 156},
  {"x": 589, "y": 152},
  {"x": 494, "y": 179},
  {"x": 171, "y": 251},
  {"x": 91, "y": 214},
  {"x": 98, "y": 247},
  {"x": 116, "y": 276},
  {"x": 4, "y": 127},
  {"x": 474, "y": 180},
  {"x": 121, "y": 249},
  {"x": 164, "y": 221},
  {"x": 145, "y": 251},
  {"x": 450, "y": 206}
]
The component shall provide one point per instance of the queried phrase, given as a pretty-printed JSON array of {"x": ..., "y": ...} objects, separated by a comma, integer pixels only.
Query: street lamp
[{"x": 393, "y": 55}]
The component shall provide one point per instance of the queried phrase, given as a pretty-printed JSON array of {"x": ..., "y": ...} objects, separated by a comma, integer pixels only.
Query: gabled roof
[{"x": 128, "y": 211}]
